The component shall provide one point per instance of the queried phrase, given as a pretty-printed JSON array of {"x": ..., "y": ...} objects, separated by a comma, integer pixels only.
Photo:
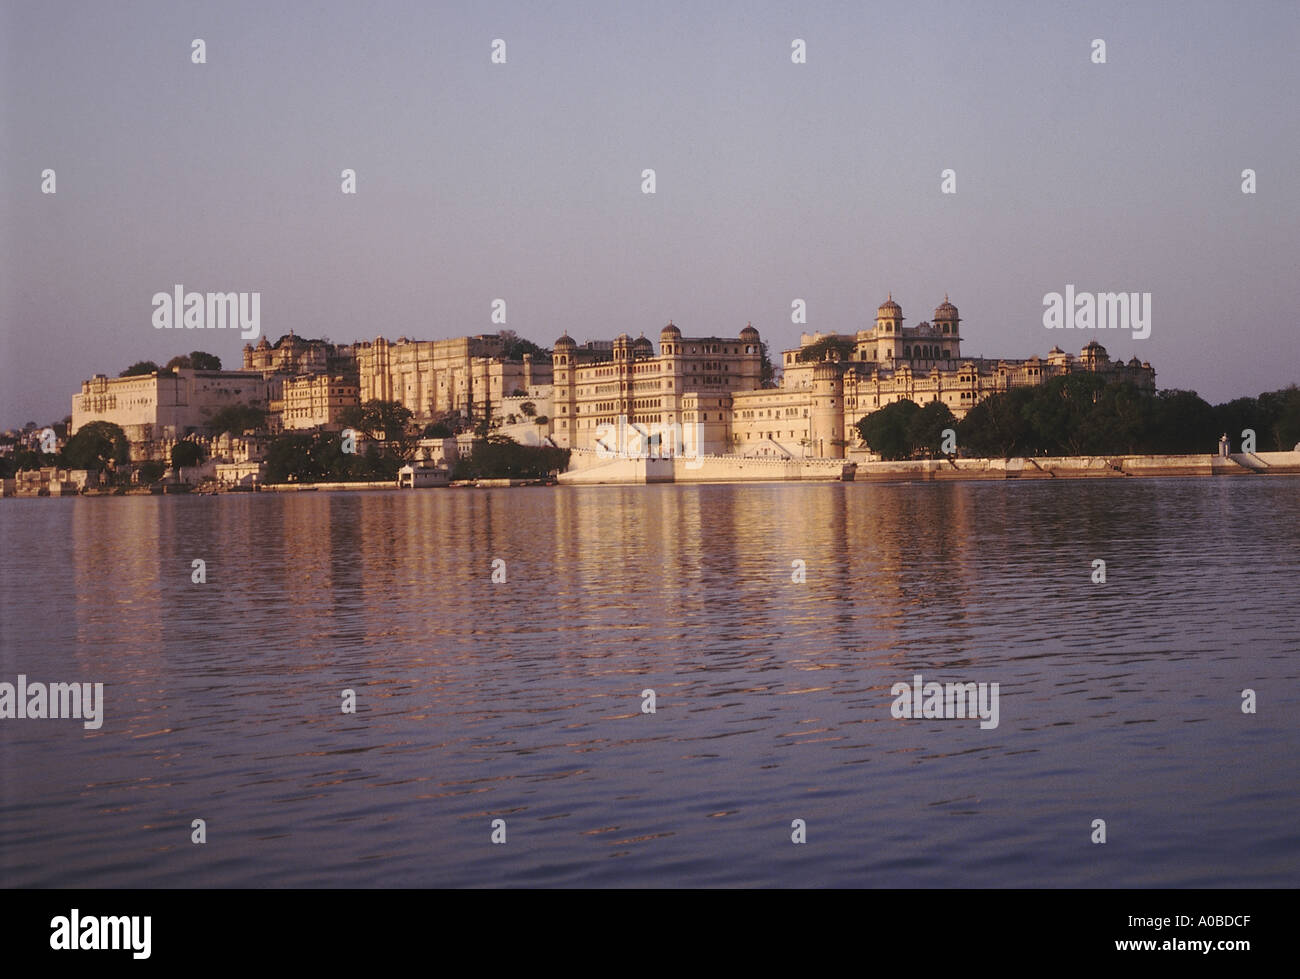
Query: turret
[{"x": 827, "y": 416}]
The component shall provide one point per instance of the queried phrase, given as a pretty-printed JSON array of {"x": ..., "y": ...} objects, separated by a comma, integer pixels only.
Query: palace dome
[
  {"x": 670, "y": 332},
  {"x": 565, "y": 343},
  {"x": 889, "y": 309},
  {"x": 946, "y": 312},
  {"x": 749, "y": 333}
]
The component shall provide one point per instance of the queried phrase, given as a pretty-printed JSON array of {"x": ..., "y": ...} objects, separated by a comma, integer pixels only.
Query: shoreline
[{"x": 737, "y": 469}]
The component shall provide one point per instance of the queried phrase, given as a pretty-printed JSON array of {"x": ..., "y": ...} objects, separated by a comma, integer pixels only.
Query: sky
[{"x": 522, "y": 181}]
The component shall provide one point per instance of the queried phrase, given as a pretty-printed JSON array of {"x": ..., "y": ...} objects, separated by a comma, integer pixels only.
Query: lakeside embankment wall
[{"x": 589, "y": 469}]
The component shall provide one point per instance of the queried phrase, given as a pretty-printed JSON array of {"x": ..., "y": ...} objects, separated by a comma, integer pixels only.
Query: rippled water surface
[{"x": 522, "y": 700}]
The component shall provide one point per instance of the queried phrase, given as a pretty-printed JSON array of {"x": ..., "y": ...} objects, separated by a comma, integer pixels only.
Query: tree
[
  {"x": 514, "y": 347},
  {"x": 237, "y": 419},
  {"x": 1060, "y": 408},
  {"x": 437, "y": 430},
  {"x": 767, "y": 375},
  {"x": 1180, "y": 422},
  {"x": 925, "y": 431},
  {"x": 198, "y": 360},
  {"x": 292, "y": 457},
  {"x": 186, "y": 454},
  {"x": 528, "y": 408},
  {"x": 501, "y": 457},
  {"x": 139, "y": 368},
  {"x": 29, "y": 460},
  {"x": 1281, "y": 417},
  {"x": 827, "y": 348},
  {"x": 97, "y": 446},
  {"x": 150, "y": 471},
  {"x": 382, "y": 420},
  {"x": 887, "y": 431},
  {"x": 997, "y": 426}
]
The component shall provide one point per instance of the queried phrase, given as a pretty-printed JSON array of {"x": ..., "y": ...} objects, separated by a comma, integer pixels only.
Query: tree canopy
[
  {"x": 237, "y": 419},
  {"x": 501, "y": 457},
  {"x": 1081, "y": 414},
  {"x": 904, "y": 429},
  {"x": 515, "y": 346},
  {"x": 186, "y": 453},
  {"x": 97, "y": 446},
  {"x": 198, "y": 360},
  {"x": 827, "y": 348}
]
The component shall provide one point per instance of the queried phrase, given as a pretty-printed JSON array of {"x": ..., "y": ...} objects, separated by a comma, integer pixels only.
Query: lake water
[{"x": 522, "y": 700}]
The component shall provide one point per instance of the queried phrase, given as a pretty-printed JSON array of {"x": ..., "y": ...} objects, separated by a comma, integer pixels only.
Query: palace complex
[{"x": 710, "y": 385}]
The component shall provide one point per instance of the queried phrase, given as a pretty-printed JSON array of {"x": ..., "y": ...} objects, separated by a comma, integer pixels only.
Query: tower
[
  {"x": 827, "y": 415},
  {"x": 947, "y": 323},
  {"x": 564, "y": 393},
  {"x": 889, "y": 332}
]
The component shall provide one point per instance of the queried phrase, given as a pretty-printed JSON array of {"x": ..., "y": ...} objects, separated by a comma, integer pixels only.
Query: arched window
[{"x": 907, "y": 351}]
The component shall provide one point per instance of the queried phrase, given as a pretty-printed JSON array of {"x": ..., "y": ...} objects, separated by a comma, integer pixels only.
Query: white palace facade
[{"x": 713, "y": 385}]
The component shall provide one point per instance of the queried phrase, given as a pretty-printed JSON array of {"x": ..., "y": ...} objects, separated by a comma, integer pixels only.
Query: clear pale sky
[{"x": 522, "y": 181}]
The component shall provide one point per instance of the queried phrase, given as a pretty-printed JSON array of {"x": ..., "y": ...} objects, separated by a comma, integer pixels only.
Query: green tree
[
  {"x": 925, "y": 430},
  {"x": 97, "y": 446},
  {"x": 996, "y": 426},
  {"x": 381, "y": 420},
  {"x": 198, "y": 360},
  {"x": 29, "y": 460},
  {"x": 514, "y": 347},
  {"x": 150, "y": 471},
  {"x": 501, "y": 457},
  {"x": 186, "y": 454},
  {"x": 201, "y": 361},
  {"x": 437, "y": 430},
  {"x": 237, "y": 419},
  {"x": 293, "y": 457},
  {"x": 888, "y": 430},
  {"x": 1281, "y": 417},
  {"x": 1059, "y": 408},
  {"x": 1180, "y": 423},
  {"x": 767, "y": 375},
  {"x": 139, "y": 368},
  {"x": 528, "y": 408},
  {"x": 827, "y": 348}
]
